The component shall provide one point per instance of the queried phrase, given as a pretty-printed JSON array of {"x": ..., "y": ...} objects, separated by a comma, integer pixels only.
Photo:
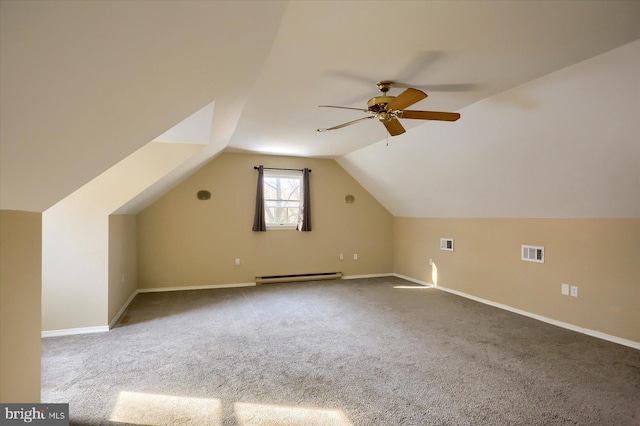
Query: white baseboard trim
[
  {"x": 413, "y": 280},
  {"x": 355, "y": 277},
  {"x": 115, "y": 319},
  {"x": 71, "y": 331},
  {"x": 592, "y": 333},
  {"x": 195, "y": 287},
  {"x": 588, "y": 332},
  {"x": 103, "y": 328}
]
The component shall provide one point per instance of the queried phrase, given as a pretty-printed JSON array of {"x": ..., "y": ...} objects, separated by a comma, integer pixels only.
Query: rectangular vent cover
[
  {"x": 446, "y": 244},
  {"x": 533, "y": 254}
]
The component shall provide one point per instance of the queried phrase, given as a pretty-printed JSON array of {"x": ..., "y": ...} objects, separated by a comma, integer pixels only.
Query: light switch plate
[{"x": 565, "y": 289}]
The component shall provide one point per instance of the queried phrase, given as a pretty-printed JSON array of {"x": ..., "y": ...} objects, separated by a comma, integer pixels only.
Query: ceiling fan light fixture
[{"x": 384, "y": 116}]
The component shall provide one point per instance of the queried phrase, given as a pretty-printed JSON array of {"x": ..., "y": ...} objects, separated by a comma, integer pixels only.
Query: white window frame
[{"x": 289, "y": 174}]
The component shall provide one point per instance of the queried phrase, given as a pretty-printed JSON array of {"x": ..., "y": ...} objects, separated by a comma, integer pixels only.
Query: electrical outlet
[
  {"x": 565, "y": 289},
  {"x": 355, "y": 256},
  {"x": 237, "y": 261},
  {"x": 574, "y": 291},
  {"x": 430, "y": 261}
]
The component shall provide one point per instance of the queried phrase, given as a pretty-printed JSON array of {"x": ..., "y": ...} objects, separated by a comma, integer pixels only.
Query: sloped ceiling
[
  {"x": 334, "y": 53},
  {"x": 84, "y": 84},
  {"x": 566, "y": 145}
]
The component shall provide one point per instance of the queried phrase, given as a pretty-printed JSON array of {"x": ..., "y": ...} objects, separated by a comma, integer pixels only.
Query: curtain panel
[
  {"x": 259, "y": 224},
  {"x": 304, "y": 223}
]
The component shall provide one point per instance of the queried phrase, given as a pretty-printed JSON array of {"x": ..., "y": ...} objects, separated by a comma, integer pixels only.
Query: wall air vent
[
  {"x": 446, "y": 244},
  {"x": 533, "y": 254}
]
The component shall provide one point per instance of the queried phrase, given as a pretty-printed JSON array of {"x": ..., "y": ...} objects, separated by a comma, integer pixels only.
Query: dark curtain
[
  {"x": 259, "y": 224},
  {"x": 304, "y": 224}
]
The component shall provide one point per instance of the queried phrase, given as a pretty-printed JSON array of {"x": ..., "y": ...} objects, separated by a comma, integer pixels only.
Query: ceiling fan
[{"x": 388, "y": 109}]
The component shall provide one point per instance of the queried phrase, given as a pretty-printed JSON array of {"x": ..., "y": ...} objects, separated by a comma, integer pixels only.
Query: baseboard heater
[{"x": 298, "y": 277}]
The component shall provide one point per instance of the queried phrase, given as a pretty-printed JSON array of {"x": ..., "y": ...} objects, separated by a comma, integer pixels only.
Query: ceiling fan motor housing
[{"x": 379, "y": 103}]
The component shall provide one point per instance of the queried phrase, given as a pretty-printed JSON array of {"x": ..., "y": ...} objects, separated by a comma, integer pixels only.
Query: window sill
[{"x": 281, "y": 227}]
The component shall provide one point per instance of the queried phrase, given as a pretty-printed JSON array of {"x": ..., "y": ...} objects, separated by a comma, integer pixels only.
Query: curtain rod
[{"x": 276, "y": 168}]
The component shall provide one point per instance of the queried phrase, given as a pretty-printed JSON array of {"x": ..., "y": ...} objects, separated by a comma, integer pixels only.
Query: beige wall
[
  {"x": 122, "y": 262},
  {"x": 20, "y": 291},
  {"x": 600, "y": 256},
  {"x": 75, "y": 256},
  {"x": 183, "y": 241},
  {"x": 75, "y": 237}
]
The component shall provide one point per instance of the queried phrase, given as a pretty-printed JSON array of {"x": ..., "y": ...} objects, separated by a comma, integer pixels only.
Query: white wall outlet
[
  {"x": 237, "y": 261},
  {"x": 341, "y": 256},
  {"x": 430, "y": 261},
  {"x": 565, "y": 289},
  {"x": 355, "y": 256},
  {"x": 574, "y": 291}
]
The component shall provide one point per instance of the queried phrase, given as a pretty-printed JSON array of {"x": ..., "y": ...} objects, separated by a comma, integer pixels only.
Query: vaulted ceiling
[{"x": 85, "y": 84}]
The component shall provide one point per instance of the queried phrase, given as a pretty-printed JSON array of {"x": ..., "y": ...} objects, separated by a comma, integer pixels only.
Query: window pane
[
  {"x": 277, "y": 188},
  {"x": 282, "y": 215},
  {"x": 282, "y": 196}
]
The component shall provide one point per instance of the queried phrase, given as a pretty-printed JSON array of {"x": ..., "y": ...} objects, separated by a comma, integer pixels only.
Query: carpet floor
[{"x": 379, "y": 351}]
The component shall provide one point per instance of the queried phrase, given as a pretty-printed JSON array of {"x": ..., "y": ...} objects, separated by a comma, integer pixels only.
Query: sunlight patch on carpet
[
  {"x": 151, "y": 409},
  {"x": 275, "y": 415}
]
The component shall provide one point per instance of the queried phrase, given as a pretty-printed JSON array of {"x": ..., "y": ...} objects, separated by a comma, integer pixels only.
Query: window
[{"x": 282, "y": 198}]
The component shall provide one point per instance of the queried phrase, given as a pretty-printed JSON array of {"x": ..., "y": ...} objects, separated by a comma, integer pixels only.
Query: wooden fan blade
[
  {"x": 394, "y": 127},
  {"x": 429, "y": 115},
  {"x": 405, "y": 99},
  {"x": 341, "y": 107},
  {"x": 339, "y": 126}
]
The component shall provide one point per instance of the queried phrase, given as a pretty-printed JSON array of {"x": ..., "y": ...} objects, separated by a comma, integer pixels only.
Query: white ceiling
[
  {"x": 568, "y": 147},
  {"x": 334, "y": 53},
  {"x": 194, "y": 129},
  {"x": 84, "y": 84}
]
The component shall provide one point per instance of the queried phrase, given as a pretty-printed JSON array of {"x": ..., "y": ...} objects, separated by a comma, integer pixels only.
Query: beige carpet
[{"x": 361, "y": 352}]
